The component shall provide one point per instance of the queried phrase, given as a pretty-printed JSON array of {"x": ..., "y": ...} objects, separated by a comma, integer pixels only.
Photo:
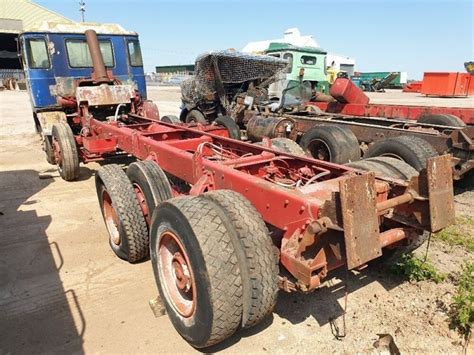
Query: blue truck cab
[{"x": 56, "y": 56}]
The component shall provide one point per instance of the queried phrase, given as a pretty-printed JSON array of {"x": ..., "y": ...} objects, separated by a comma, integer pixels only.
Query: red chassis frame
[
  {"x": 410, "y": 112},
  {"x": 314, "y": 209}
]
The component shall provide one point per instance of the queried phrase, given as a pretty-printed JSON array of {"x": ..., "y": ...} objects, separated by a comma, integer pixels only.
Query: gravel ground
[{"x": 63, "y": 291}]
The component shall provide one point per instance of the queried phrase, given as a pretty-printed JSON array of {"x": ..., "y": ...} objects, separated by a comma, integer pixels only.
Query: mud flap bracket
[
  {"x": 440, "y": 192},
  {"x": 360, "y": 219}
]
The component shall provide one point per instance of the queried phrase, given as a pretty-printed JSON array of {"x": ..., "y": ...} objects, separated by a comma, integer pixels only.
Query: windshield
[
  {"x": 297, "y": 93},
  {"x": 80, "y": 57}
]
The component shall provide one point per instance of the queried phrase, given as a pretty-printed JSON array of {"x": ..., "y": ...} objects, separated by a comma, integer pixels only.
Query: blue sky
[{"x": 413, "y": 36}]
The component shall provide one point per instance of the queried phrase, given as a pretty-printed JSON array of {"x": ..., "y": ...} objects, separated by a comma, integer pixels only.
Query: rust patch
[
  {"x": 440, "y": 191},
  {"x": 104, "y": 94},
  {"x": 359, "y": 218}
]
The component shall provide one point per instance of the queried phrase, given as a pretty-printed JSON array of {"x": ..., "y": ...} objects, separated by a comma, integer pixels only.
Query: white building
[{"x": 293, "y": 36}]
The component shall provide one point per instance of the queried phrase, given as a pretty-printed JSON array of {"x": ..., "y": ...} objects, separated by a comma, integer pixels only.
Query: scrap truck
[
  {"x": 240, "y": 86},
  {"x": 227, "y": 223},
  {"x": 58, "y": 66},
  {"x": 422, "y": 114}
]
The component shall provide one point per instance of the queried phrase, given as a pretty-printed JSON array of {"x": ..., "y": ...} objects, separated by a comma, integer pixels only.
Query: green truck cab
[{"x": 312, "y": 60}]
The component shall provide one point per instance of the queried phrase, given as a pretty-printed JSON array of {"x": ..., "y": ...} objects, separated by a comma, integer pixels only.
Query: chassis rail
[
  {"x": 321, "y": 215},
  {"x": 394, "y": 111},
  {"x": 457, "y": 141}
]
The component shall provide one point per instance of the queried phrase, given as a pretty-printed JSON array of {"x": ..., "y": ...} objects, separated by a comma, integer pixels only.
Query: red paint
[
  {"x": 345, "y": 91},
  {"x": 414, "y": 86},
  {"x": 395, "y": 111},
  {"x": 446, "y": 84}
]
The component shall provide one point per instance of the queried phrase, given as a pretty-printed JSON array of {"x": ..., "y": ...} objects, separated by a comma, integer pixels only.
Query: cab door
[
  {"x": 36, "y": 58},
  {"x": 135, "y": 64}
]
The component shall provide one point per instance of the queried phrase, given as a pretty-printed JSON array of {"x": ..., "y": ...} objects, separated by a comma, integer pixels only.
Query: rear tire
[
  {"x": 150, "y": 184},
  {"x": 170, "y": 119},
  {"x": 230, "y": 125},
  {"x": 336, "y": 144},
  {"x": 386, "y": 166},
  {"x": 128, "y": 235},
  {"x": 259, "y": 264},
  {"x": 288, "y": 146},
  {"x": 48, "y": 149},
  {"x": 203, "y": 297},
  {"x": 411, "y": 149},
  {"x": 196, "y": 116},
  {"x": 442, "y": 120},
  {"x": 65, "y": 150}
]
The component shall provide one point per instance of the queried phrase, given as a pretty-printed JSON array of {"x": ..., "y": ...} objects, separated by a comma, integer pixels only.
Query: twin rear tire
[
  {"x": 127, "y": 202},
  {"x": 386, "y": 166},
  {"x": 225, "y": 270},
  {"x": 128, "y": 234},
  {"x": 411, "y": 149},
  {"x": 212, "y": 255}
]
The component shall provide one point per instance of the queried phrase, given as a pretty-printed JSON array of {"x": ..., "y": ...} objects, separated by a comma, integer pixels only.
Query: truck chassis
[
  {"x": 318, "y": 216},
  {"x": 410, "y": 112},
  {"x": 457, "y": 141},
  {"x": 227, "y": 223}
]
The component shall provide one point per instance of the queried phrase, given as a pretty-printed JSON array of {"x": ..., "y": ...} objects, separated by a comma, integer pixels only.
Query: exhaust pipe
[{"x": 100, "y": 72}]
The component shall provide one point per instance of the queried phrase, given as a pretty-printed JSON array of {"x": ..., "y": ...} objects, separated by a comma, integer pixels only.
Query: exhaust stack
[{"x": 100, "y": 72}]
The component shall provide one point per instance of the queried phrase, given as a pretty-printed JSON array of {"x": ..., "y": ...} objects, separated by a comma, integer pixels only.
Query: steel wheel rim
[
  {"x": 110, "y": 217},
  {"x": 176, "y": 274},
  {"x": 57, "y": 153},
  {"x": 319, "y": 150},
  {"x": 142, "y": 201}
]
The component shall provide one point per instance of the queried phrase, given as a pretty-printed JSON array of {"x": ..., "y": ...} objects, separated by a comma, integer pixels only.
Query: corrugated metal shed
[{"x": 32, "y": 15}]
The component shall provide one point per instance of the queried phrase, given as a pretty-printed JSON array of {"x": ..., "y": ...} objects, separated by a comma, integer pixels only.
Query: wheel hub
[
  {"x": 57, "y": 151},
  {"x": 142, "y": 201},
  {"x": 181, "y": 271},
  {"x": 320, "y": 150},
  {"x": 111, "y": 219},
  {"x": 176, "y": 274}
]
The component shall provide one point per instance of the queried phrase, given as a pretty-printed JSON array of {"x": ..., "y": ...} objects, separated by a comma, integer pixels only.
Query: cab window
[
  {"x": 289, "y": 58},
  {"x": 79, "y": 56},
  {"x": 37, "y": 51},
  {"x": 276, "y": 55},
  {"x": 308, "y": 60},
  {"x": 134, "y": 53}
]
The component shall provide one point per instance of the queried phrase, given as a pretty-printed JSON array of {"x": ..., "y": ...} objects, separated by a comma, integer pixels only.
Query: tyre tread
[
  {"x": 128, "y": 210},
  {"x": 220, "y": 262},
  {"x": 69, "y": 153},
  {"x": 261, "y": 260}
]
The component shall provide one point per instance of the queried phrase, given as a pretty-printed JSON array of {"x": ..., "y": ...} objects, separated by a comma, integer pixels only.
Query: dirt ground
[{"x": 62, "y": 290}]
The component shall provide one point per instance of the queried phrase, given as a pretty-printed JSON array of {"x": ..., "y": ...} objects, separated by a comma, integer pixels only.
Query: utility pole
[{"x": 82, "y": 8}]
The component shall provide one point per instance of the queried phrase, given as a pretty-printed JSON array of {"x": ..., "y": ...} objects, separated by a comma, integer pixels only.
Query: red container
[
  {"x": 345, "y": 91},
  {"x": 447, "y": 84},
  {"x": 414, "y": 86}
]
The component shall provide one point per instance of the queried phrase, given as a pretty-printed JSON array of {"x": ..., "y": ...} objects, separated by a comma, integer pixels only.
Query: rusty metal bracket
[
  {"x": 440, "y": 192},
  {"x": 205, "y": 183},
  {"x": 360, "y": 221}
]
